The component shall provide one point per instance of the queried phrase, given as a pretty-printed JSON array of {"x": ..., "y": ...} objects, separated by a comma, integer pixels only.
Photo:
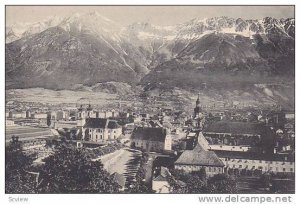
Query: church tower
[
  {"x": 89, "y": 111},
  {"x": 197, "y": 109},
  {"x": 81, "y": 115}
]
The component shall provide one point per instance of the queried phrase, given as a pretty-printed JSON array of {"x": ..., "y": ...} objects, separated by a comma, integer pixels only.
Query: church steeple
[
  {"x": 197, "y": 109},
  {"x": 198, "y": 100}
]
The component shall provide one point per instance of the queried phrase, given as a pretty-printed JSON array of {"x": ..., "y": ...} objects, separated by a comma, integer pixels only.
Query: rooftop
[
  {"x": 236, "y": 127},
  {"x": 149, "y": 133},
  {"x": 101, "y": 123},
  {"x": 198, "y": 156}
]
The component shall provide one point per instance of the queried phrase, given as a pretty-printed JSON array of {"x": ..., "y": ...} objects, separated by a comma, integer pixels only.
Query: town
[{"x": 165, "y": 150}]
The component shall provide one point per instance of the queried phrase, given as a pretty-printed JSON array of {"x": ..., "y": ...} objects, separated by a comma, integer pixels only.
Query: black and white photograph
[{"x": 149, "y": 99}]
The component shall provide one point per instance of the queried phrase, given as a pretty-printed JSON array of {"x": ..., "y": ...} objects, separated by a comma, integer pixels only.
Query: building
[
  {"x": 39, "y": 115},
  {"x": 198, "y": 158},
  {"x": 151, "y": 139},
  {"x": 100, "y": 129},
  {"x": 9, "y": 123},
  {"x": 197, "y": 119},
  {"x": 251, "y": 161},
  {"x": 17, "y": 114},
  {"x": 235, "y": 136}
]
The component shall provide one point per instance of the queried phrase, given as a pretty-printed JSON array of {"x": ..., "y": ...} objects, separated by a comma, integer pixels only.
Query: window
[
  {"x": 240, "y": 166},
  {"x": 115, "y": 131},
  {"x": 283, "y": 169},
  {"x": 291, "y": 169}
]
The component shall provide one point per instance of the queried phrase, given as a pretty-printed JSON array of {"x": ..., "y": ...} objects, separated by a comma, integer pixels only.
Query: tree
[
  {"x": 17, "y": 179},
  {"x": 194, "y": 182},
  {"x": 70, "y": 170},
  {"x": 140, "y": 186},
  {"x": 221, "y": 183}
]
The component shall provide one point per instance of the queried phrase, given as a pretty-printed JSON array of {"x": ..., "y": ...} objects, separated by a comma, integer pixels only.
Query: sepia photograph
[{"x": 150, "y": 99}]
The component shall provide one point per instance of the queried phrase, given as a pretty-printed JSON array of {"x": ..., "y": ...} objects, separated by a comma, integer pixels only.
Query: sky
[{"x": 157, "y": 15}]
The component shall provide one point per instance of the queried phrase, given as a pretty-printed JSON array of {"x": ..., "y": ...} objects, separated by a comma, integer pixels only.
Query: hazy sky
[{"x": 157, "y": 15}]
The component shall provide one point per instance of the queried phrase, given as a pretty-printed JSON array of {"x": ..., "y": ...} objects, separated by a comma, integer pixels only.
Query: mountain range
[{"x": 88, "y": 49}]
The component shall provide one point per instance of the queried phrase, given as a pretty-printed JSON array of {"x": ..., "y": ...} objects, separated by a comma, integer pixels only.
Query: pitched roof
[
  {"x": 235, "y": 127},
  {"x": 199, "y": 157},
  {"x": 113, "y": 124},
  {"x": 149, "y": 133},
  {"x": 101, "y": 123}
]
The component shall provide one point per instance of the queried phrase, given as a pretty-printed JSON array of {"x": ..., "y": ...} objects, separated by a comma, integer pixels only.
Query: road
[{"x": 124, "y": 161}]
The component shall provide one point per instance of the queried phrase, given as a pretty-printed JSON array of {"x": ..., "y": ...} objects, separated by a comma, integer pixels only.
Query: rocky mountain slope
[{"x": 89, "y": 49}]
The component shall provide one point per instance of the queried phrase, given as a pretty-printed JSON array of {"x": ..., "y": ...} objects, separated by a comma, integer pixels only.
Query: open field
[
  {"x": 57, "y": 97},
  {"x": 25, "y": 132}
]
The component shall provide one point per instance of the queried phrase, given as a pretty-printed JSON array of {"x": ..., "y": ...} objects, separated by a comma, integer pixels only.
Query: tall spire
[
  {"x": 198, "y": 100},
  {"x": 197, "y": 109}
]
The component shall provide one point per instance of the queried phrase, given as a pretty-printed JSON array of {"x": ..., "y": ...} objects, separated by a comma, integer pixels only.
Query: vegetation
[
  {"x": 197, "y": 182},
  {"x": 17, "y": 179},
  {"x": 70, "y": 170},
  {"x": 94, "y": 153},
  {"x": 221, "y": 183},
  {"x": 277, "y": 183},
  {"x": 140, "y": 186}
]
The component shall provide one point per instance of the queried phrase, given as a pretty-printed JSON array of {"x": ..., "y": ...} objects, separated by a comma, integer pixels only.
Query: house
[
  {"x": 250, "y": 161},
  {"x": 151, "y": 139},
  {"x": 40, "y": 115},
  {"x": 9, "y": 123},
  {"x": 100, "y": 129},
  {"x": 235, "y": 136},
  {"x": 198, "y": 158},
  {"x": 160, "y": 183}
]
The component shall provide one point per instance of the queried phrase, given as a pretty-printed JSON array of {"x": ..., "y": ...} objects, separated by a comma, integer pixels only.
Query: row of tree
[
  {"x": 68, "y": 170},
  {"x": 140, "y": 186},
  {"x": 198, "y": 182}
]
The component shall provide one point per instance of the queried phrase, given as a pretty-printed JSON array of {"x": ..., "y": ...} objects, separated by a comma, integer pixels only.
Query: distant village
[{"x": 239, "y": 142}]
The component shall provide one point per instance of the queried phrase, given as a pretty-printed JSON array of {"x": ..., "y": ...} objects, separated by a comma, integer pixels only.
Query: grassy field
[
  {"x": 25, "y": 132},
  {"x": 56, "y": 97}
]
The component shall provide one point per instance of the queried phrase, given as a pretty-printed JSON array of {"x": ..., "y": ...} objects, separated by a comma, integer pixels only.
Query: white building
[
  {"x": 151, "y": 139},
  {"x": 9, "y": 123},
  {"x": 100, "y": 129}
]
